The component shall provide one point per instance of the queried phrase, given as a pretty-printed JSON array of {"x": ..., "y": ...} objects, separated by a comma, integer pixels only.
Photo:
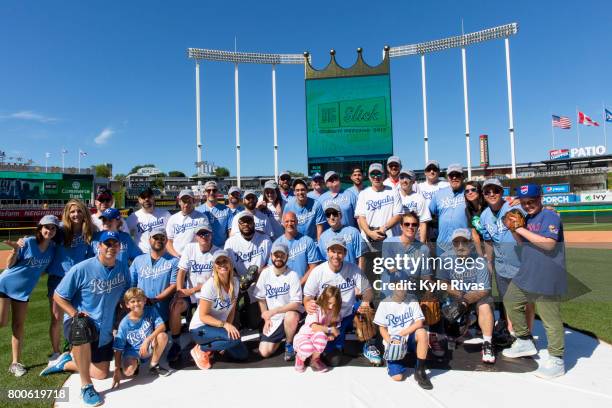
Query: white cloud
[
  {"x": 31, "y": 116},
  {"x": 104, "y": 136}
]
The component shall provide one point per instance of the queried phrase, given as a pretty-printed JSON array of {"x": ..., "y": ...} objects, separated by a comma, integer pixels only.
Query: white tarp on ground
[{"x": 588, "y": 383}]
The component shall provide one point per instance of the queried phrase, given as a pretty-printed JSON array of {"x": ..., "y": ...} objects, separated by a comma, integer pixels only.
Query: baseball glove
[
  {"x": 364, "y": 324},
  {"x": 453, "y": 310},
  {"x": 248, "y": 278},
  {"x": 396, "y": 349},
  {"x": 514, "y": 219},
  {"x": 82, "y": 330},
  {"x": 431, "y": 310}
]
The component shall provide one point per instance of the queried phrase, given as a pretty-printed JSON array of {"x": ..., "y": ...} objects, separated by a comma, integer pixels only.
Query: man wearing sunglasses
[
  {"x": 448, "y": 205},
  {"x": 344, "y": 198},
  {"x": 182, "y": 226},
  {"x": 263, "y": 221},
  {"x": 284, "y": 185},
  {"x": 234, "y": 200},
  {"x": 218, "y": 214},
  {"x": 356, "y": 246},
  {"x": 427, "y": 189},
  {"x": 414, "y": 202},
  {"x": 104, "y": 200},
  {"x": 308, "y": 211},
  {"x": 542, "y": 279},
  {"x": 147, "y": 218},
  {"x": 394, "y": 164}
]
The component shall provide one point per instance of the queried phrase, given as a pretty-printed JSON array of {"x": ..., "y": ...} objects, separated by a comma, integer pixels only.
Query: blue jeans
[
  {"x": 216, "y": 339},
  {"x": 345, "y": 325}
]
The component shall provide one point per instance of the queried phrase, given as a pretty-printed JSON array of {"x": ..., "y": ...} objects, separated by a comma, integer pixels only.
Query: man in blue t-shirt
[
  {"x": 218, "y": 214},
  {"x": 344, "y": 198},
  {"x": 92, "y": 288},
  {"x": 356, "y": 246},
  {"x": 542, "y": 279},
  {"x": 308, "y": 211}
]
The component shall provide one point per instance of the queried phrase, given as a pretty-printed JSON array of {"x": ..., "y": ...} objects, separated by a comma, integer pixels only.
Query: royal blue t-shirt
[
  {"x": 347, "y": 202},
  {"x": 218, "y": 217},
  {"x": 66, "y": 257},
  {"x": 449, "y": 207},
  {"x": 128, "y": 252},
  {"x": 302, "y": 252},
  {"x": 505, "y": 247},
  {"x": 308, "y": 216},
  {"x": 93, "y": 288},
  {"x": 355, "y": 244},
  {"x": 18, "y": 281},
  {"x": 543, "y": 272},
  {"x": 153, "y": 277},
  {"x": 132, "y": 333}
]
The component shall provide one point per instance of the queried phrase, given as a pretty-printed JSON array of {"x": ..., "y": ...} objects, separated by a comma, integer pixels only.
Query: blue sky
[{"x": 113, "y": 78}]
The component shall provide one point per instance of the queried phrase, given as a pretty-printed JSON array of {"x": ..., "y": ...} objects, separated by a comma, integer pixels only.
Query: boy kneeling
[
  {"x": 400, "y": 320},
  {"x": 141, "y": 336}
]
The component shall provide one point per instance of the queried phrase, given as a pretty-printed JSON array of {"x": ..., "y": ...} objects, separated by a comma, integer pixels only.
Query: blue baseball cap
[
  {"x": 317, "y": 176},
  {"x": 111, "y": 214},
  {"x": 106, "y": 235},
  {"x": 529, "y": 191}
]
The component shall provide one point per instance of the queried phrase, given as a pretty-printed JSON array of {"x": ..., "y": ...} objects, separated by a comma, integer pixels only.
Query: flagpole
[
  {"x": 552, "y": 129},
  {"x": 578, "y": 126},
  {"x": 603, "y": 106},
  {"x": 63, "y": 154},
  {"x": 79, "y": 153}
]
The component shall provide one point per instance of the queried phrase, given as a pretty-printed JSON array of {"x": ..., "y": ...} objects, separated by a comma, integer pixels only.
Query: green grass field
[{"x": 587, "y": 227}]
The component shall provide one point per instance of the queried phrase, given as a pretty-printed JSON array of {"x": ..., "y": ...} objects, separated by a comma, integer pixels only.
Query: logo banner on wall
[
  {"x": 560, "y": 199},
  {"x": 556, "y": 188},
  {"x": 596, "y": 197}
]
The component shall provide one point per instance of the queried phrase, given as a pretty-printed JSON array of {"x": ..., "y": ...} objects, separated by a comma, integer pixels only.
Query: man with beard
[
  {"x": 357, "y": 179},
  {"x": 218, "y": 214},
  {"x": 262, "y": 220},
  {"x": 335, "y": 194},
  {"x": 279, "y": 293},
  {"x": 234, "y": 199},
  {"x": 427, "y": 189},
  {"x": 394, "y": 164},
  {"x": 284, "y": 186},
  {"x": 308, "y": 211},
  {"x": 182, "y": 226},
  {"x": 141, "y": 222}
]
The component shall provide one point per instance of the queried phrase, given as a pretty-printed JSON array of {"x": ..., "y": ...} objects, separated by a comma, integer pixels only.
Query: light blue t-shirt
[
  {"x": 218, "y": 217},
  {"x": 132, "y": 333},
  {"x": 302, "y": 252},
  {"x": 356, "y": 245},
  {"x": 347, "y": 202},
  {"x": 66, "y": 257},
  {"x": 505, "y": 247},
  {"x": 314, "y": 194},
  {"x": 449, "y": 207},
  {"x": 354, "y": 190},
  {"x": 19, "y": 281},
  {"x": 91, "y": 287},
  {"x": 232, "y": 213},
  {"x": 128, "y": 252},
  {"x": 308, "y": 216},
  {"x": 153, "y": 277}
]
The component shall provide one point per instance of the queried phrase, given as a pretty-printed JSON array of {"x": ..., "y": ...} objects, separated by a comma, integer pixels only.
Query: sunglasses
[
  {"x": 203, "y": 234},
  {"x": 105, "y": 199},
  {"x": 393, "y": 166},
  {"x": 455, "y": 175},
  {"x": 491, "y": 192},
  {"x": 432, "y": 169},
  {"x": 331, "y": 214},
  {"x": 405, "y": 177},
  {"x": 410, "y": 224},
  {"x": 285, "y": 178},
  {"x": 159, "y": 237},
  {"x": 111, "y": 243},
  {"x": 211, "y": 190},
  {"x": 472, "y": 190},
  {"x": 376, "y": 175}
]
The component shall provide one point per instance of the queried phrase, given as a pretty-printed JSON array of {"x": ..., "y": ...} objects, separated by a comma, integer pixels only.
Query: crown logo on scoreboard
[{"x": 359, "y": 68}]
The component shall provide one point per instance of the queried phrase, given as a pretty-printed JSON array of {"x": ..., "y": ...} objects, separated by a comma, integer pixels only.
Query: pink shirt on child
[{"x": 318, "y": 317}]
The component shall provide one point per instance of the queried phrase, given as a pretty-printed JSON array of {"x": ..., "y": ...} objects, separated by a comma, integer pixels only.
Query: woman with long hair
[
  {"x": 271, "y": 203},
  {"x": 211, "y": 326},
  {"x": 475, "y": 204},
  {"x": 72, "y": 241},
  {"x": 24, "y": 267}
]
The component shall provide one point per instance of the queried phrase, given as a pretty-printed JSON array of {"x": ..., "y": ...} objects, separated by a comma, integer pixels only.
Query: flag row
[{"x": 564, "y": 122}]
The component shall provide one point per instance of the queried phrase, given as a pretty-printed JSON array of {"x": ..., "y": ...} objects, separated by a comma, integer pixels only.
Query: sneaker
[
  {"x": 487, "y": 353},
  {"x": 435, "y": 346},
  {"x": 52, "y": 358},
  {"x": 300, "y": 367},
  {"x": 159, "y": 371},
  {"x": 520, "y": 348},
  {"x": 552, "y": 367},
  {"x": 318, "y": 366},
  {"x": 17, "y": 369},
  {"x": 58, "y": 366},
  {"x": 90, "y": 396},
  {"x": 201, "y": 358},
  {"x": 421, "y": 378},
  {"x": 174, "y": 353},
  {"x": 372, "y": 354},
  {"x": 289, "y": 352}
]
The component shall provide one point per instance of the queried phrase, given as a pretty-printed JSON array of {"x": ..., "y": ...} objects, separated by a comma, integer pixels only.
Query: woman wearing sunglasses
[
  {"x": 475, "y": 204},
  {"x": 24, "y": 268}
]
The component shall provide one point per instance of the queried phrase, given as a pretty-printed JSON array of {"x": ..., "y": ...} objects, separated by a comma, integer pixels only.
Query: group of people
[{"x": 297, "y": 266}]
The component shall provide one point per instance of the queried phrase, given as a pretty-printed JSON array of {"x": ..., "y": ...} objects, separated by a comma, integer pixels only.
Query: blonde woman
[{"x": 211, "y": 326}]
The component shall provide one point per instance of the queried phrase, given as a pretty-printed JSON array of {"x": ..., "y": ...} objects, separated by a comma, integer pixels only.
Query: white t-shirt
[
  {"x": 278, "y": 291},
  {"x": 97, "y": 222},
  {"x": 246, "y": 253},
  {"x": 349, "y": 279},
  {"x": 197, "y": 265},
  {"x": 221, "y": 306},
  {"x": 378, "y": 207},
  {"x": 415, "y": 202},
  {"x": 140, "y": 223},
  {"x": 396, "y": 316},
  {"x": 263, "y": 224},
  {"x": 427, "y": 190},
  {"x": 182, "y": 228},
  {"x": 389, "y": 182}
]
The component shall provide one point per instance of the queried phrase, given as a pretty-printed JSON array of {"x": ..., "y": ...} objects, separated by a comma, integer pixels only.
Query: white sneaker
[
  {"x": 552, "y": 367},
  {"x": 520, "y": 348},
  {"x": 53, "y": 359}
]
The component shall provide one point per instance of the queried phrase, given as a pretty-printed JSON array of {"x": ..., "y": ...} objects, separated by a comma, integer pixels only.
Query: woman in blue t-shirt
[{"x": 24, "y": 267}]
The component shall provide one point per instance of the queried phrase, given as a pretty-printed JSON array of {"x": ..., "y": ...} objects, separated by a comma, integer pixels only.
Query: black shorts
[
  {"x": 52, "y": 282},
  {"x": 276, "y": 337},
  {"x": 5, "y": 296}
]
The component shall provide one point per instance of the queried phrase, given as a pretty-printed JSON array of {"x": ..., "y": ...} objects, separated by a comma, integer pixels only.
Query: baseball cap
[
  {"x": 375, "y": 167},
  {"x": 492, "y": 182},
  {"x": 454, "y": 168},
  {"x": 157, "y": 231},
  {"x": 329, "y": 175},
  {"x": 529, "y": 191},
  {"x": 299, "y": 181},
  {"x": 220, "y": 254},
  {"x": 337, "y": 240},
  {"x": 317, "y": 176},
  {"x": 280, "y": 247},
  {"x": 210, "y": 184},
  {"x": 461, "y": 233},
  {"x": 411, "y": 174},
  {"x": 433, "y": 163},
  {"x": 110, "y": 214},
  {"x": 284, "y": 173},
  {"x": 104, "y": 193},
  {"x": 271, "y": 185},
  {"x": 243, "y": 214},
  {"x": 205, "y": 225},
  {"x": 248, "y": 193},
  {"x": 106, "y": 235},
  {"x": 147, "y": 192},
  {"x": 394, "y": 159},
  {"x": 234, "y": 189},
  {"x": 49, "y": 219},
  {"x": 332, "y": 206},
  {"x": 186, "y": 192}
]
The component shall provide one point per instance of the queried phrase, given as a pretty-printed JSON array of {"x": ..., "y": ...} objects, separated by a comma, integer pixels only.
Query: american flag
[
  {"x": 562, "y": 122},
  {"x": 82, "y": 153}
]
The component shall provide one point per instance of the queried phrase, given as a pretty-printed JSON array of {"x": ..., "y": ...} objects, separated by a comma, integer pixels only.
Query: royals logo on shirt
[
  {"x": 156, "y": 271},
  {"x": 276, "y": 291},
  {"x": 248, "y": 256},
  {"x": 221, "y": 304},
  {"x": 347, "y": 285},
  {"x": 36, "y": 262},
  {"x": 102, "y": 286},
  {"x": 138, "y": 336},
  {"x": 146, "y": 227},
  {"x": 373, "y": 205},
  {"x": 452, "y": 202},
  {"x": 401, "y": 320}
]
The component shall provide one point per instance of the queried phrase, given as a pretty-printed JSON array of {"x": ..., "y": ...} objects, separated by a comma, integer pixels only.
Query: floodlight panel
[{"x": 244, "y": 57}]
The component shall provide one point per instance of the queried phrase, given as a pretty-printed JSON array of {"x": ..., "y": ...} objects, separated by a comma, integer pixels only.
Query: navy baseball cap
[
  {"x": 111, "y": 214},
  {"x": 317, "y": 176},
  {"x": 529, "y": 191},
  {"x": 106, "y": 235}
]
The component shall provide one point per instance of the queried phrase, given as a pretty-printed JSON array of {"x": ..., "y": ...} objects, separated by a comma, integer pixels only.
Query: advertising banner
[
  {"x": 556, "y": 188},
  {"x": 560, "y": 199},
  {"x": 559, "y": 154},
  {"x": 596, "y": 197}
]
